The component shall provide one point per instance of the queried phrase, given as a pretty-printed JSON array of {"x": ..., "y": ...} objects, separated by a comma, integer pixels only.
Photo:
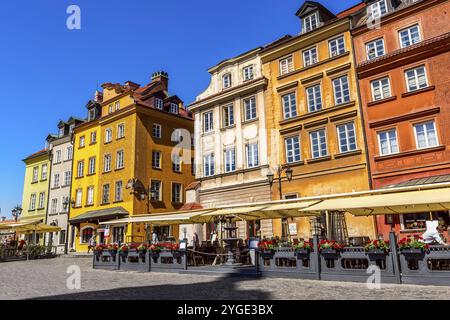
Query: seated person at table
[{"x": 434, "y": 234}]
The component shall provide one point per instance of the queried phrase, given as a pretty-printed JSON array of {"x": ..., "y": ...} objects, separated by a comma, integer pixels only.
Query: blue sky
[{"x": 48, "y": 72}]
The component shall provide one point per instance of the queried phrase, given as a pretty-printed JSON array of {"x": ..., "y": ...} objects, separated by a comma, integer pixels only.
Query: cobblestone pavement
[{"x": 47, "y": 279}]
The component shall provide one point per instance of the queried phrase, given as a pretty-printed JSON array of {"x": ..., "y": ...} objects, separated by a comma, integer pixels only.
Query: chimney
[
  {"x": 162, "y": 77},
  {"x": 98, "y": 97},
  {"x": 132, "y": 85}
]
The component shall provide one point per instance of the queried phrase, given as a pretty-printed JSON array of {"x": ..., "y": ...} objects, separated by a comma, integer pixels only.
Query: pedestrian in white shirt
[{"x": 435, "y": 236}]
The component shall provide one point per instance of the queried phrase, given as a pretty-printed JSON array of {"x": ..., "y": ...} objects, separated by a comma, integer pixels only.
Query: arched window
[{"x": 86, "y": 234}]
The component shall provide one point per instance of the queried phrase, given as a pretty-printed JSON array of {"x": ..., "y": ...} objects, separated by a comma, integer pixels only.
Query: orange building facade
[{"x": 404, "y": 75}]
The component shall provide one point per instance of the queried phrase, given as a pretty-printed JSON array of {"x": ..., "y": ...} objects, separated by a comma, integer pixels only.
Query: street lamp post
[{"x": 271, "y": 178}]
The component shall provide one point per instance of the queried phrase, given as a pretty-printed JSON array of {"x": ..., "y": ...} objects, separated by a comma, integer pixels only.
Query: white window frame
[
  {"x": 253, "y": 109},
  {"x": 410, "y": 38},
  {"x": 174, "y": 108},
  {"x": 230, "y": 160},
  {"x": 209, "y": 167},
  {"x": 93, "y": 137},
  {"x": 228, "y": 117},
  {"x": 416, "y": 78},
  {"x": 56, "y": 180},
  {"x": 107, "y": 161},
  {"x": 376, "y": 53},
  {"x": 347, "y": 137},
  {"x": 67, "y": 178},
  {"x": 176, "y": 163},
  {"x": 252, "y": 155},
  {"x": 388, "y": 141},
  {"x": 286, "y": 65},
  {"x": 106, "y": 195},
  {"x": 159, "y": 103},
  {"x": 41, "y": 201},
  {"x": 54, "y": 206},
  {"x": 311, "y": 140},
  {"x": 226, "y": 81},
  {"x": 82, "y": 141},
  {"x": 91, "y": 166},
  {"x": 310, "y": 57},
  {"x": 208, "y": 121},
  {"x": 44, "y": 172},
  {"x": 248, "y": 72},
  {"x": 341, "y": 87},
  {"x": 108, "y": 135},
  {"x": 154, "y": 164},
  {"x": 377, "y": 5},
  {"x": 121, "y": 131},
  {"x": 180, "y": 193},
  {"x": 338, "y": 49},
  {"x": 69, "y": 153},
  {"x": 35, "y": 177},
  {"x": 315, "y": 105},
  {"x": 157, "y": 131},
  {"x": 118, "y": 196},
  {"x": 90, "y": 196},
  {"x": 154, "y": 182},
  {"x": 33, "y": 198},
  {"x": 58, "y": 156},
  {"x": 423, "y": 124},
  {"x": 379, "y": 82},
  {"x": 78, "y": 198},
  {"x": 120, "y": 159},
  {"x": 308, "y": 22},
  {"x": 291, "y": 152},
  {"x": 292, "y": 113},
  {"x": 80, "y": 168}
]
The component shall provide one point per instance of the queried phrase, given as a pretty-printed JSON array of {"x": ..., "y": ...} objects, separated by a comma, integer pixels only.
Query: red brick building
[{"x": 402, "y": 58}]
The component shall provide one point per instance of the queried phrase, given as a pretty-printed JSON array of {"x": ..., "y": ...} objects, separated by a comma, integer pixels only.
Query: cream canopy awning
[
  {"x": 162, "y": 219},
  {"x": 289, "y": 210},
  {"x": 29, "y": 227},
  {"x": 390, "y": 203}
]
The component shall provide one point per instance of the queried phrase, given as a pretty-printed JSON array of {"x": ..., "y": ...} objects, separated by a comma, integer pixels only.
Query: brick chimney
[
  {"x": 98, "y": 97},
  {"x": 162, "y": 77}
]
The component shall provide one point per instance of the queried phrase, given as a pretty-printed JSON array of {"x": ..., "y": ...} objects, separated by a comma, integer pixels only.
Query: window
[
  {"x": 67, "y": 178},
  {"x": 156, "y": 131},
  {"x": 426, "y": 136},
  {"x": 250, "y": 108},
  {"x": 208, "y": 162},
  {"x": 310, "y": 22},
  {"x": 120, "y": 131},
  {"x": 61, "y": 132},
  {"x": 176, "y": 193},
  {"x": 228, "y": 115},
  {"x": 62, "y": 237},
  {"x": 93, "y": 137},
  {"x": 54, "y": 206},
  {"x": 90, "y": 196},
  {"x": 110, "y": 108},
  {"x": 292, "y": 145},
  {"x": 117, "y": 104},
  {"x": 78, "y": 198},
  {"x": 286, "y": 65},
  {"x": 82, "y": 142},
  {"x": 33, "y": 202},
  {"x": 174, "y": 108},
  {"x": 91, "y": 115},
  {"x": 155, "y": 191},
  {"x": 69, "y": 153},
  {"x": 65, "y": 200},
  {"x": 159, "y": 104},
  {"x": 35, "y": 174},
  {"x": 156, "y": 159},
  {"x": 176, "y": 136},
  {"x": 248, "y": 73},
  {"x": 341, "y": 90},
  {"x": 108, "y": 135},
  {"x": 388, "y": 142},
  {"x": 309, "y": 57},
  {"x": 118, "y": 195},
  {"x": 80, "y": 168},
  {"x": 336, "y": 46},
  {"x": 378, "y": 9},
  {"x": 314, "y": 98},
  {"x": 375, "y": 49},
  {"x": 230, "y": 160},
  {"x": 120, "y": 155},
  {"x": 289, "y": 106},
  {"x": 71, "y": 128},
  {"x": 416, "y": 78},
  {"x": 226, "y": 81},
  {"x": 409, "y": 36},
  {"x": 318, "y": 144},
  {"x": 252, "y": 155},
  {"x": 381, "y": 89},
  {"x": 57, "y": 156},
  {"x": 347, "y": 137},
  {"x": 41, "y": 203},
  {"x": 56, "y": 182},
  {"x": 44, "y": 172},
  {"x": 176, "y": 163},
  {"x": 105, "y": 194},
  {"x": 86, "y": 234},
  {"x": 91, "y": 168},
  {"x": 107, "y": 163},
  {"x": 208, "y": 122}
]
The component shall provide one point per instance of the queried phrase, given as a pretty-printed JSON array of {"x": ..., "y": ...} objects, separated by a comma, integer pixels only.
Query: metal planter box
[
  {"x": 135, "y": 261},
  {"x": 168, "y": 260},
  {"x": 106, "y": 260}
]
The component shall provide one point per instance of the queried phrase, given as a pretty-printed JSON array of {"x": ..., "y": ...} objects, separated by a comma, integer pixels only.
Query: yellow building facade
[
  {"x": 36, "y": 186},
  {"x": 129, "y": 169},
  {"x": 314, "y": 119}
]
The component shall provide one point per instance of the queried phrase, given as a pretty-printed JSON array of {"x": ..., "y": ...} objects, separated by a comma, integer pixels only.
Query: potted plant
[
  {"x": 266, "y": 248},
  {"x": 302, "y": 249},
  {"x": 113, "y": 248},
  {"x": 154, "y": 249},
  {"x": 412, "y": 245},
  {"x": 123, "y": 251},
  {"x": 377, "y": 247},
  {"x": 142, "y": 250},
  {"x": 327, "y": 247},
  {"x": 98, "y": 249}
]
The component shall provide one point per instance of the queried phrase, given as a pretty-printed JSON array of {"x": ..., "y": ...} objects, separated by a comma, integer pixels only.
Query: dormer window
[
  {"x": 226, "y": 81},
  {"x": 378, "y": 9},
  {"x": 174, "y": 108},
  {"x": 72, "y": 126},
  {"x": 61, "y": 132},
  {"x": 310, "y": 22},
  {"x": 159, "y": 103},
  {"x": 91, "y": 115}
]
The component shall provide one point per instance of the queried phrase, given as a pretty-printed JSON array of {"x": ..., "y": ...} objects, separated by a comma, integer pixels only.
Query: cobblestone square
[{"x": 46, "y": 279}]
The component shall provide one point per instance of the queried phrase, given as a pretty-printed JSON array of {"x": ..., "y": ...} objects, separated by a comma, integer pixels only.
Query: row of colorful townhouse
[{"x": 358, "y": 100}]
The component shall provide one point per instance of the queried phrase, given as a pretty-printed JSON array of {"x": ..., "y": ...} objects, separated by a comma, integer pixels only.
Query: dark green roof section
[
  {"x": 105, "y": 214},
  {"x": 421, "y": 181}
]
